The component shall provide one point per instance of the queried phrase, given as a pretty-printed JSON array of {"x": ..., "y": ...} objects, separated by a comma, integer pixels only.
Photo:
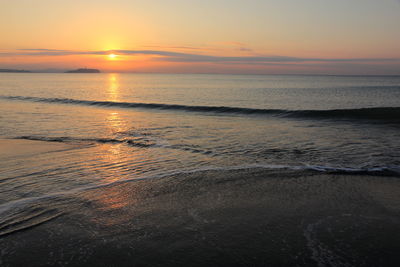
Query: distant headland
[
  {"x": 14, "y": 71},
  {"x": 83, "y": 71}
]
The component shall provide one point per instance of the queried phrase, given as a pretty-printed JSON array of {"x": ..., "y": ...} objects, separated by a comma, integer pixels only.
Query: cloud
[
  {"x": 236, "y": 45},
  {"x": 41, "y": 49},
  {"x": 245, "y": 49},
  {"x": 170, "y": 56},
  {"x": 175, "y": 47}
]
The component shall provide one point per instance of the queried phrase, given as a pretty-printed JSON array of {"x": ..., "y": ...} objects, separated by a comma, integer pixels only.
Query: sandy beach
[{"x": 250, "y": 217}]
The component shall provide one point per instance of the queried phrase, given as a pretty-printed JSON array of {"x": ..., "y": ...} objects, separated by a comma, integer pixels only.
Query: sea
[{"x": 117, "y": 128}]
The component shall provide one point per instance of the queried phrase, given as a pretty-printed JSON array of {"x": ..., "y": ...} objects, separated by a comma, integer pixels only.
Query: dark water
[{"x": 121, "y": 127}]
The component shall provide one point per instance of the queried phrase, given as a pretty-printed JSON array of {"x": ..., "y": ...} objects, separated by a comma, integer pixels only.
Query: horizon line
[{"x": 64, "y": 71}]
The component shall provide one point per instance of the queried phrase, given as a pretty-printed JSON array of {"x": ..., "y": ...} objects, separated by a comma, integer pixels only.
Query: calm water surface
[{"x": 128, "y": 126}]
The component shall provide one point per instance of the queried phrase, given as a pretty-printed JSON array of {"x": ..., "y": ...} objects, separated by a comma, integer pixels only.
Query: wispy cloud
[
  {"x": 245, "y": 49},
  {"x": 175, "y": 47},
  {"x": 238, "y": 46},
  {"x": 171, "y": 56}
]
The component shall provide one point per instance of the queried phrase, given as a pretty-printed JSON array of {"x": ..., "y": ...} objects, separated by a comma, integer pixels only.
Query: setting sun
[{"x": 112, "y": 56}]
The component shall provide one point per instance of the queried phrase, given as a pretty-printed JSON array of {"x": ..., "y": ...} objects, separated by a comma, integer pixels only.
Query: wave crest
[{"x": 386, "y": 114}]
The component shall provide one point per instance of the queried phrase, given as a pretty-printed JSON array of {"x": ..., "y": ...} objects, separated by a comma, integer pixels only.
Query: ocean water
[
  {"x": 122, "y": 127},
  {"x": 127, "y": 126}
]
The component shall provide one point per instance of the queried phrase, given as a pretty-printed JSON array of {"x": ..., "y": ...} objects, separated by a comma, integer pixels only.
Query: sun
[{"x": 112, "y": 56}]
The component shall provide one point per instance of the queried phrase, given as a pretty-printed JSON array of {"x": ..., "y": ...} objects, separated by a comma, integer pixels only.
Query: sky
[{"x": 353, "y": 37}]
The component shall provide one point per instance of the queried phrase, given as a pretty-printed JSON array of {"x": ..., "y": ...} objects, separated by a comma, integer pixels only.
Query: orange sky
[{"x": 276, "y": 36}]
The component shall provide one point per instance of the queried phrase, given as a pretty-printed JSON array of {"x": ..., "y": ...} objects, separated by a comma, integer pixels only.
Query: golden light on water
[{"x": 113, "y": 87}]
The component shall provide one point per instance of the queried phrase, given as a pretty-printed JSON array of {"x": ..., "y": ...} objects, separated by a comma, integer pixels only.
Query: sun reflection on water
[
  {"x": 117, "y": 160},
  {"x": 113, "y": 87}
]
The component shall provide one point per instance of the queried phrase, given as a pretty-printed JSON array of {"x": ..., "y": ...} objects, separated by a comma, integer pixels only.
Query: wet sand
[{"x": 250, "y": 217}]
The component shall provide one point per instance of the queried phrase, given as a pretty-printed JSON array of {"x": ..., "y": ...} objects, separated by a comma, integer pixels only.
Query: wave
[
  {"x": 65, "y": 139},
  {"x": 25, "y": 219},
  {"x": 385, "y": 171},
  {"x": 387, "y": 114},
  {"x": 130, "y": 142},
  {"x": 374, "y": 171}
]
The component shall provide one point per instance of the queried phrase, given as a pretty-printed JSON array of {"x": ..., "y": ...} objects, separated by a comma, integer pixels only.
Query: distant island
[
  {"x": 14, "y": 71},
  {"x": 83, "y": 71}
]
